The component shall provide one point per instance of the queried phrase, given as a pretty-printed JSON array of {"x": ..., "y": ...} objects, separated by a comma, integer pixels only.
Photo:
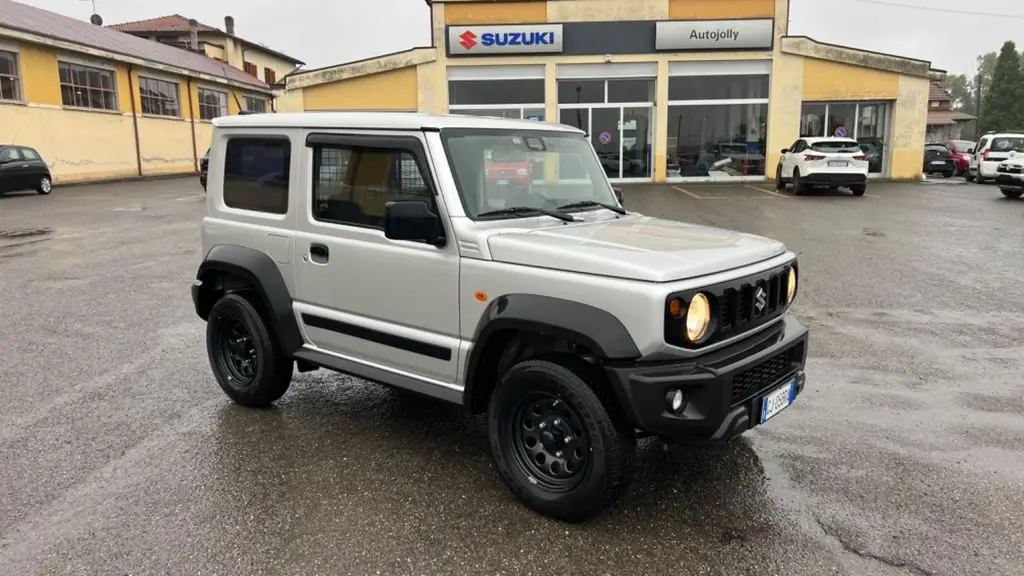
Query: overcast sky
[{"x": 325, "y": 32}]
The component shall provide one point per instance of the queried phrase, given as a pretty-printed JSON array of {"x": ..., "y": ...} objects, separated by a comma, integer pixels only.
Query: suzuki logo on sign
[
  {"x": 467, "y": 39},
  {"x": 498, "y": 40}
]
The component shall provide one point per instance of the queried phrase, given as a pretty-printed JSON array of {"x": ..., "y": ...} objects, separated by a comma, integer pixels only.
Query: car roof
[
  {"x": 382, "y": 121},
  {"x": 828, "y": 139}
]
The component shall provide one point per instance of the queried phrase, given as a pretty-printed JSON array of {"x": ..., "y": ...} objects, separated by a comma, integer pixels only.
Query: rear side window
[
  {"x": 351, "y": 184},
  {"x": 836, "y": 146},
  {"x": 1007, "y": 144},
  {"x": 9, "y": 154},
  {"x": 256, "y": 174}
]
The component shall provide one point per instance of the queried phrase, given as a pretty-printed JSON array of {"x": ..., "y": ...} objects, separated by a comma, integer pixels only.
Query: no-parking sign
[{"x": 605, "y": 137}]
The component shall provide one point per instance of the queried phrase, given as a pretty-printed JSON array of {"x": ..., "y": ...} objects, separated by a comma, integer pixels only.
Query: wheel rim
[
  {"x": 238, "y": 356},
  {"x": 45, "y": 184},
  {"x": 549, "y": 442}
]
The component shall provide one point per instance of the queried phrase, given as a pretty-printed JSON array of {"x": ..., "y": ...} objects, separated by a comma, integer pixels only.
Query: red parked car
[
  {"x": 961, "y": 150},
  {"x": 509, "y": 166}
]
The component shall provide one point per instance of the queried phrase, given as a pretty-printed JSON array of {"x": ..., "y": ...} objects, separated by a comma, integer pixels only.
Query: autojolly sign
[
  {"x": 497, "y": 40},
  {"x": 715, "y": 34}
]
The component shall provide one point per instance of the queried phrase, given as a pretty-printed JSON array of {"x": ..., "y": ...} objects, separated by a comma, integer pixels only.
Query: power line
[{"x": 945, "y": 10}]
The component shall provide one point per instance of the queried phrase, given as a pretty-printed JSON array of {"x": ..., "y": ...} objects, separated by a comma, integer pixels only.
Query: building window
[
  {"x": 87, "y": 87},
  {"x": 352, "y": 184},
  {"x": 866, "y": 122},
  {"x": 159, "y": 97},
  {"x": 251, "y": 69},
  {"x": 10, "y": 81},
  {"x": 256, "y": 174},
  {"x": 503, "y": 98},
  {"x": 212, "y": 104},
  {"x": 255, "y": 105},
  {"x": 269, "y": 76}
]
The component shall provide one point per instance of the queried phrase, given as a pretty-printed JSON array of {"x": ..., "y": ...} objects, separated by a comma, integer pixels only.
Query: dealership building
[{"x": 667, "y": 90}]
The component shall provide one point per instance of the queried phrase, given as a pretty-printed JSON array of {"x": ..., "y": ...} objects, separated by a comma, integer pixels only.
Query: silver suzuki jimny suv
[{"x": 489, "y": 263}]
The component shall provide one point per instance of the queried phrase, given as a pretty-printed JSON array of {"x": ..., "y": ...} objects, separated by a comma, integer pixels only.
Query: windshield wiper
[
  {"x": 526, "y": 210},
  {"x": 588, "y": 203}
]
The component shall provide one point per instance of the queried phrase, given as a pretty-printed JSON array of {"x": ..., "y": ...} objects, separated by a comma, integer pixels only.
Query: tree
[
  {"x": 1001, "y": 109},
  {"x": 961, "y": 90}
]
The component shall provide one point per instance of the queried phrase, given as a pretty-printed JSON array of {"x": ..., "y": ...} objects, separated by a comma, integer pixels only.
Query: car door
[
  {"x": 791, "y": 158},
  {"x": 385, "y": 304},
  {"x": 34, "y": 167},
  {"x": 12, "y": 171},
  {"x": 979, "y": 151}
]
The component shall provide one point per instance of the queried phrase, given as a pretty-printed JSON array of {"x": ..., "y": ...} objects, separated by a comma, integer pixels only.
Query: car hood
[{"x": 634, "y": 247}]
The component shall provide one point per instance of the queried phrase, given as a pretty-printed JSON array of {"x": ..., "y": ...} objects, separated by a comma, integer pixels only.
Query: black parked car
[
  {"x": 204, "y": 167},
  {"x": 938, "y": 159},
  {"x": 22, "y": 168}
]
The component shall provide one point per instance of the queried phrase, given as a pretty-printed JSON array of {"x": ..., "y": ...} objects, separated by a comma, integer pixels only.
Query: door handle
[{"x": 318, "y": 253}]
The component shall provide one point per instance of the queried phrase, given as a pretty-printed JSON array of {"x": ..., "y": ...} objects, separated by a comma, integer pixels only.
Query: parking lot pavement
[{"x": 120, "y": 455}]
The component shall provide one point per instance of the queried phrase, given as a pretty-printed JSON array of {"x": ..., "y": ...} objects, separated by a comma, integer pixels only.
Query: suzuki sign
[{"x": 501, "y": 40}]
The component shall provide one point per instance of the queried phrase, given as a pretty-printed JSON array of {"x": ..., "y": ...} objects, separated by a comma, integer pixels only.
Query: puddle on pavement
[{"x": 24, "y": 233}]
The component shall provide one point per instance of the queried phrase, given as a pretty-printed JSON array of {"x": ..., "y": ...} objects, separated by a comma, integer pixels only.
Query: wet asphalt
[{"x": 905, "y": 455}]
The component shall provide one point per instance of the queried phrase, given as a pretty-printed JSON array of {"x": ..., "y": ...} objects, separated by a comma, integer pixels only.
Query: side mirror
[
  {"x": 785, "y": 150},
  {"x": 618, "y": 194},
  {"x": 412, "y": 220}
]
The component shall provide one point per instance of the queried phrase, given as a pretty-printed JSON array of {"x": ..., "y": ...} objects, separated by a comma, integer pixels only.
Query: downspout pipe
[
  {"x": 192, "y": 118},
  {"x": 135, "y": 120}
]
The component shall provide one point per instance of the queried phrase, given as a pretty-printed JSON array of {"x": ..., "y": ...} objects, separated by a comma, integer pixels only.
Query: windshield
[
  {"x": 1006, "y": 144},
  {"x": 849, "y": 146},
  {"x": 500, "y": 169}
]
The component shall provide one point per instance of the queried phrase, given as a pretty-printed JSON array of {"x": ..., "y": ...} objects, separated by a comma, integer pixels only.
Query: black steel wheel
[
  {"x": 243, "y": 354},
  {"x": 559, "y": 447}
]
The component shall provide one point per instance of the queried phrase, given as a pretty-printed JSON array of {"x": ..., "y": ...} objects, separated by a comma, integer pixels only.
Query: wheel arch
[
  {"x": 514, "y": 323},
  {"x": 239, "y": 268}
]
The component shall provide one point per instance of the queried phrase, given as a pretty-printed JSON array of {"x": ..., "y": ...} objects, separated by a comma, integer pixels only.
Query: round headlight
[
  {"x": 791, "y": 286},
  {"x": 698, "y": 318}
]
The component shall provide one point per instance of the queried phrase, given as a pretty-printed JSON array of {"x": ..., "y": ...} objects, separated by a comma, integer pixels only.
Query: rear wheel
[
  {"x": 45, "y": 185},
  {"x": 244, "y": 357},
  {"x": 949, "y": 174},
  {"x": 559, "y": 449},
  {"x": 969, "y": 177},
  {"x": 1013, "y": 193},
  {"x": 859, "y": 189},
  {"x": 780, "y": 184}
]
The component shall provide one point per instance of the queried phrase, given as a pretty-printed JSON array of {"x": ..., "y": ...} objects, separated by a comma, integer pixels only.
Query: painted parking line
[
  {"x": 687, "y": 192},
  {"x": 766, "y": 191}
]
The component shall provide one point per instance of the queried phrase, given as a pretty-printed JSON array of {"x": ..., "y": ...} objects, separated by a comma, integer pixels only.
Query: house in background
[
  {"x": 254, "y": 59},
  {"x": 944, "y": 123}
]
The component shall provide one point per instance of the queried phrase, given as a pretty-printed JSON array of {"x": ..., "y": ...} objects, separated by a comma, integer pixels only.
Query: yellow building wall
[
  {"x": 720, "y": 9},
  {"x": 826, "y": 80},
  {"x": 909, "y": 124},
  {"x": 40, "y": 80},
  {"x": 166, "y": 146},
  {"x": 393, "y": 90},
  {"x": 605, "y": 10},
  {"x": 496, "y": 13},
  {"x": 784, "y": 107}
]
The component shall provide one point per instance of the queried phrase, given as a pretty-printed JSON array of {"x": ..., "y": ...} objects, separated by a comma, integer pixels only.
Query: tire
[
  {"x": 1012, "y": 193},
  {"x": 859, "y": 189},
  {"x": 536, "y": 395},
  {"x": 234, "y": 318},
  {"x": 969, "y": 177},
  {"x": 780, "y": 184},
  {"x": 798, "y": 186},
  {"x": 45, "y": 185},
  {"x": 949, "y": 174}
]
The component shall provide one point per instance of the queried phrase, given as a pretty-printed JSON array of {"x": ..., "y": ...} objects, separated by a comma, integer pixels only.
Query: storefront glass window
[
  {"x": 841, "y": 120},
  {"x": 461, "y": 92},
  {"x": 718, "y": 87},
  {"x": 580, "y": 91},
  {"x": 717, "y": 140},
  {"x": 631, "y": 91},
  {"x": 867, "y": 122},
  {"x": 812, "y": 121}
]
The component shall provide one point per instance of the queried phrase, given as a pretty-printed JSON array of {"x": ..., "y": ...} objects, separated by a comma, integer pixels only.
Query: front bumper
[
  {"x": 1010, "y": 180},
  {"x": 723, "y": 389},
  {"x": 835, "y": 178}
]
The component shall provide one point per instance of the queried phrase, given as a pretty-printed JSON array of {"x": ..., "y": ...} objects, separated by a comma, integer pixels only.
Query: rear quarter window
[
  {"x": 256, "y": 174},
  {"x": 1006, "y": 144},
  {"x": 836, "y": 146}
]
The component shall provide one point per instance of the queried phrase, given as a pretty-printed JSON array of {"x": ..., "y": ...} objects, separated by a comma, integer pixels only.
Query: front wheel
[
  {"x": 45, "y": 185},
  {"x": 780, "y": 184},
  {"x": 949, "y": 174},
  {"x": 798, "y": 183},
  {"x": 556, "y": 445},
  {"x": 243, "y": 354},
  {"x": 969, "y": 177},
  {"x": 1012, "y": 193}
]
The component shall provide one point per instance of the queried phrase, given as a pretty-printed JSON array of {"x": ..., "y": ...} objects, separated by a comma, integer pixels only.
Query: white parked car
[
  {"x": 992, "y": 149},
  {"x": 831, "y": 162},
  {"x": 1010, "y": 176}
]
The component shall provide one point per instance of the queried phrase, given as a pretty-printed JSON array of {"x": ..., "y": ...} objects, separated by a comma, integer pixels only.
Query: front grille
[
  {"x": 738, "y": 308},
  {"x": 756, "y": 380}
]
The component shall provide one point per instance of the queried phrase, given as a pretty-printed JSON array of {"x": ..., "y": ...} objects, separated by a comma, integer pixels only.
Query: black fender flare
[
  {"x": 597, "y": 329},
  {"x": 264, "y": 276}
]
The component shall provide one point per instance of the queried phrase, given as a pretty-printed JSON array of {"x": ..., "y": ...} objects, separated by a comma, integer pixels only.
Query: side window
[
  {"x": 256, "y": 172},
  {"x": 351, "y": 184},
  {"x": 981, "y": 145},
  {"x": 795, "y": 147},
  {"x": 29, "y": 154},
  {"x": 9, "y": 155}
]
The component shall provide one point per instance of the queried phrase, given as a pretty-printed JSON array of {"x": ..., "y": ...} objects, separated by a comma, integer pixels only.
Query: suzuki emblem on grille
[{"x": 760, "y": 299}]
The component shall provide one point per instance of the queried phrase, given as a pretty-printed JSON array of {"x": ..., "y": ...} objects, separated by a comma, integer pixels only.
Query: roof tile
[
  {"x": 45, "y": 23},
  {"x": 171, "y": 23}
]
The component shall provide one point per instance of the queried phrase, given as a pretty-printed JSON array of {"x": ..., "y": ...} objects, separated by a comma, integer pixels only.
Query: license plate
[
  {"x": 777, "y": 400},
  {"x": 938, "y": 163},
  {"x": 502, "y": 182},
  {"x": 837, "y": 163}
]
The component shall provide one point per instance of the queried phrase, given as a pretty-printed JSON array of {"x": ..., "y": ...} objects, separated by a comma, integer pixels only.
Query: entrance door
[{"x": 635, "y": 142}]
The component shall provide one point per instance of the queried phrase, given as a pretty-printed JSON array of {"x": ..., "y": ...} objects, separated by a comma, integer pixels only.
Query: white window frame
[
  {"x": 247, "y": 98},
  {"x": 19, "y": 91},
  {"x": 199, "y": 94}
]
